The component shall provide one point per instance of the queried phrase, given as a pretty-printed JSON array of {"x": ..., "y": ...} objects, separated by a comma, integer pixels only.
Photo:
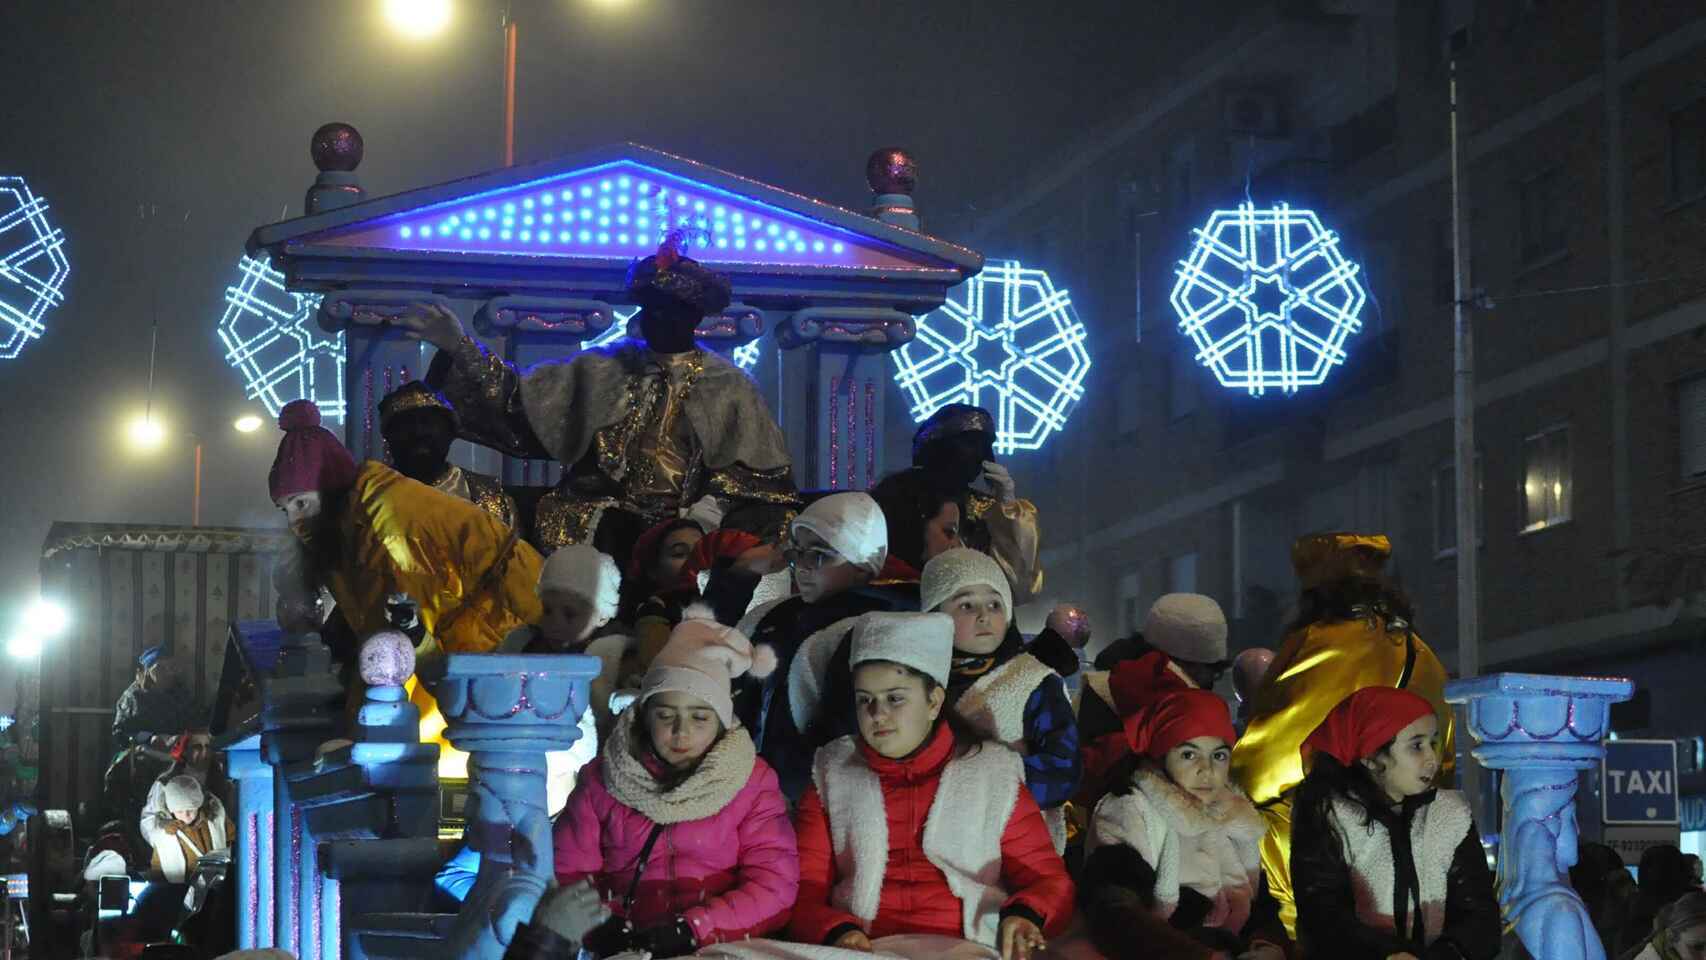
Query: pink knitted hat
[
  {"x": 701, "y": 658},
  {"x": 309, "y": 458}
]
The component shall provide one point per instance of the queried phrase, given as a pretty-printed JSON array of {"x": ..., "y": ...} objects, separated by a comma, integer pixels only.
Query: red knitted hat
[
  {"x": 309, "y": 458},
  {"x": 1176, "y": 717},
  {"x": 1136, "y": 684},
  {"x": 1364, "y": 722}
]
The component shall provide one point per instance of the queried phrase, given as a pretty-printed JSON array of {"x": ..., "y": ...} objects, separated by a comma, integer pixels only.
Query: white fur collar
[
  {"x": 1236, "y": 816},
  {"x": 725, "y": 769},
  {"x": 1436, "y": 830}
]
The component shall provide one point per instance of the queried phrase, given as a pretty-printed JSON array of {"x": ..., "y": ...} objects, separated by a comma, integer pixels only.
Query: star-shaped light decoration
[
  {"x": 272, "y": 338},
  {"x": 33, "y": 267},
  {"x": 1267, "y": 298},
  {"x": 1006, "y": 340}
]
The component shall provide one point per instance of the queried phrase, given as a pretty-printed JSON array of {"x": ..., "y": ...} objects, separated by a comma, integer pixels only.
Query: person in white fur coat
[
  {"x": 1174, "y": 870},
  {"x": 1383, "y": 865}
]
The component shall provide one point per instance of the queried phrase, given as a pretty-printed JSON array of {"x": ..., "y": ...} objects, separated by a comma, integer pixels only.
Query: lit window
[{"x": 1546, "y": 483}]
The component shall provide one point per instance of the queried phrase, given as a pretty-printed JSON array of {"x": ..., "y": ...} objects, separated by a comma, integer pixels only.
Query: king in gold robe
[
  {"x": 645, "y": 429},
  {"x": 1354, "y": 633}
]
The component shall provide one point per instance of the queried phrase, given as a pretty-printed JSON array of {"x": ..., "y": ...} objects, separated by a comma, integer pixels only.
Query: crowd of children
[{"x": 876, "y": 763}]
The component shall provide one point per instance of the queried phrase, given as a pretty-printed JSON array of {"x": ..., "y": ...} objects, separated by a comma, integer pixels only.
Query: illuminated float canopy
[
  {"x": 1267, "y": 298},
  {"x": 272, "y": 340},
  {"x": 33, "y": 266},
  {"x": 1006, "y": 340}
]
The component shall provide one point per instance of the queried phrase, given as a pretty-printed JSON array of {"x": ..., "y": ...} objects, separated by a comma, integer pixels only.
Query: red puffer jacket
[{"x": 915, "y": 896}]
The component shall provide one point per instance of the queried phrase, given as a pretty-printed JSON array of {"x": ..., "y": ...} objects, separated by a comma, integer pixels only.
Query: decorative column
[
  {"x": 1539, "y": 731},
  {"x": 300, "y": 709},
  {"x": 507, "y": 711},
  {"x": 254, "y": 842}
]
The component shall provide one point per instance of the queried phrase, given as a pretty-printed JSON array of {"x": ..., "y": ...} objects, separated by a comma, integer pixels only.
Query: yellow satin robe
[
  {"x": 1314, "y": 669},
  {"x": 400, "y": 536}
]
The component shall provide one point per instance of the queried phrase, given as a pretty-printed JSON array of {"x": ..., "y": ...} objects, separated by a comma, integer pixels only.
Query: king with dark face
[
  {"x": 419, "y": 426},
  {"x": 644, "y": 428}
]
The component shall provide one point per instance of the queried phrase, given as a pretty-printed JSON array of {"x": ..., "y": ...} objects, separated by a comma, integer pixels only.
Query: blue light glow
[
  {"x": 1267, "y": 298},
  {"x": 630, "y": 208},
  {"x": 744, "y": 356},
  {"x": 1005, "y": 340},
  {"x": 33, "y": 266},
  {"x": 273, "y": 340}
]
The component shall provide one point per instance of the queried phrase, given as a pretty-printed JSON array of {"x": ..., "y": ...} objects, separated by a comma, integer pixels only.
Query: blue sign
[
  {"x": 1638, "y": 783},
  {"x": 1693, "y": 812}
]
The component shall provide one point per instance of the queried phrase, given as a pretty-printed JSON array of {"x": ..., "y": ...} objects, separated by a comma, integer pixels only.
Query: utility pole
[{"x": 1463, "y": 420}]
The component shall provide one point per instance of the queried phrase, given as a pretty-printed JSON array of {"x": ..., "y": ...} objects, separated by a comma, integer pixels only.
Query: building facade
[{"x": 1584, "y": 125}]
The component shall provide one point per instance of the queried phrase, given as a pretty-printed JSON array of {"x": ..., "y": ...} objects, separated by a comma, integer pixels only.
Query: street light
[
  {"x": 147, "y": 435},
  {"x": 45, "y": 618},
  {"x": 418, "y": 18},
  {"x": 24, "y": 646},
  {"x": 145, "y": 432}
]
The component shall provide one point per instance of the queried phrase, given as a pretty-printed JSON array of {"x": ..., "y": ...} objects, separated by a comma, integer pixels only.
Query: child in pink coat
[{"x": 678, "y": 822}]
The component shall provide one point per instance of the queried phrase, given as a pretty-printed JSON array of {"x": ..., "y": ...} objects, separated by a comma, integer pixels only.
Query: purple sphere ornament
[
  {"x": 336, "y": 146},
  {"x": 387, "y": 659},
  {"x": 891, "y": 170}
]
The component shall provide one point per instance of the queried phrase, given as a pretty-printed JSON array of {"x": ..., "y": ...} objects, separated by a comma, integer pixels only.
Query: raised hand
[{"x": 433, "y": 323}]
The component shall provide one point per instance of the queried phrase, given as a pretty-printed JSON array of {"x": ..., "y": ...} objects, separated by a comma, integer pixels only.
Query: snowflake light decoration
[
  {"x": 1006, "y": 340},
  {"x": 1267, "y": 298},
  {"x": 33, "y": 267},
  {"x": 745, "y": 356},
  {"x": 272, "y": 339}
]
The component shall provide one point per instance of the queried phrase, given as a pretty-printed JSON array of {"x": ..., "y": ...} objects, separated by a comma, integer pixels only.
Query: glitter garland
[
  {"x": 296, "y": 866},
  {"x": 852, "y": 434},
  {"x": 834, "y": 433},
  {"x": 367, "y": 413},
  {"x": 252, "y": 856},
  {"x": 870, "y": 433}
]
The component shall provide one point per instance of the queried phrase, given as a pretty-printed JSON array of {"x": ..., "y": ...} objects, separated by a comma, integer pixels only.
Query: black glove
[
  {"x": 610, "y": 938},
  {"x": 673, "y": 939}
]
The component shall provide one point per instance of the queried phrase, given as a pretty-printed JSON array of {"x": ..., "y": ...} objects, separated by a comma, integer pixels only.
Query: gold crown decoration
[{"x": 413, "y": 395}]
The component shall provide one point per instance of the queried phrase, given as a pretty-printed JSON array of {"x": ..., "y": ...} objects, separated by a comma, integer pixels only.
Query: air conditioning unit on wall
[{"x": 1252, "y": 112}]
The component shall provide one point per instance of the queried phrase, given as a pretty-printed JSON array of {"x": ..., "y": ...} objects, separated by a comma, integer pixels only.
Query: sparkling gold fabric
[
  {"x": 1326, "y": 557},
  {"x": 480, "y": 490},
  {"x": 1010, "y": 533},
  {"x": 1315, "y": 668},
  {"x": 638, "y": 431}
]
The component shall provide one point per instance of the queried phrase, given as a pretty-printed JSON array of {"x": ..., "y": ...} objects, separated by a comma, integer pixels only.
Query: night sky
[{"x": 162, "y": 131}]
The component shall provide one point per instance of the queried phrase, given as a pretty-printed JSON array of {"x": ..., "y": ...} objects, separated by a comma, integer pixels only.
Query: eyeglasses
[{"x": 810, "y": 558}]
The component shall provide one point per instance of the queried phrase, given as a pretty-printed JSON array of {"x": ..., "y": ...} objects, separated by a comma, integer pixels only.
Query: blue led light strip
[
  {"x": 33, "y": 266},
  {"x": 272, "y": 339},
  {"x": 1007, "y": 340},
  {"x": 1267, "y": 298},
  {"x": 621, "y": 210}
]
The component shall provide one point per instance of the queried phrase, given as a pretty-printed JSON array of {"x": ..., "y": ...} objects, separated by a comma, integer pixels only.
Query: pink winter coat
[{"x": 726, "y": 859}]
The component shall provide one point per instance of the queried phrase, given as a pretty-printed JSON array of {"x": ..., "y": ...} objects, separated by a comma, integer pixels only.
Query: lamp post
[
  {"x": 425, "y": 18},
  {"x": 147, "y": 434}
]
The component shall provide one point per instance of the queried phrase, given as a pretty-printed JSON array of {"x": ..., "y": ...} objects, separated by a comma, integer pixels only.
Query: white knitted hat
[
  {"x": 700, "y": 659},
  {"x": 951, "y": 571},
  {"x": 183, "y": 793},
  {"x": 1187, "y": 626},
  {"x": 852, "y": 524},
  {"x": 922, "y": 641},
  {"x": 582, "y": 570}
]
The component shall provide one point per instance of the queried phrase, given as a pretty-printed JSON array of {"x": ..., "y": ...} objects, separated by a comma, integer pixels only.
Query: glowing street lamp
[
  {"x": 45, "y": 618},
  {"x": 146, "y": 433},
  {"x": 248, "y": 423},
  {"x": 24, "y": 646},
  {"x": 418, "y": 19}
]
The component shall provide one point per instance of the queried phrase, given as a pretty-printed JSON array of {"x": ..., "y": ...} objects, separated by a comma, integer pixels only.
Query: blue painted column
[
  {"x": 1539, "y": 731},
  {"x": 507, "y": 711},
  {"x": 254, "y": 842}
]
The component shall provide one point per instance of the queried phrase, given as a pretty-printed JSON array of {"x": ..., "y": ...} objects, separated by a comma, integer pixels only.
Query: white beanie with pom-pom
[
  {"x": 702, "y": 657},
  {"x": 581, "y": 570}
]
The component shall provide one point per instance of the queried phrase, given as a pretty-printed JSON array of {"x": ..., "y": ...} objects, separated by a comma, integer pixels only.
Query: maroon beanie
[{"x": 309, "y": 458}]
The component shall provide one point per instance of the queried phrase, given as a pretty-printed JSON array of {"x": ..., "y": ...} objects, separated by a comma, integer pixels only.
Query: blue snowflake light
[
  {"x": 272, "y": 339},
  {"x": 1267, "y": 298},
  {"x": 1005, "y": 340},
  {"x": 745, "y": 356},
  {"x": 33, "y": 267}
]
